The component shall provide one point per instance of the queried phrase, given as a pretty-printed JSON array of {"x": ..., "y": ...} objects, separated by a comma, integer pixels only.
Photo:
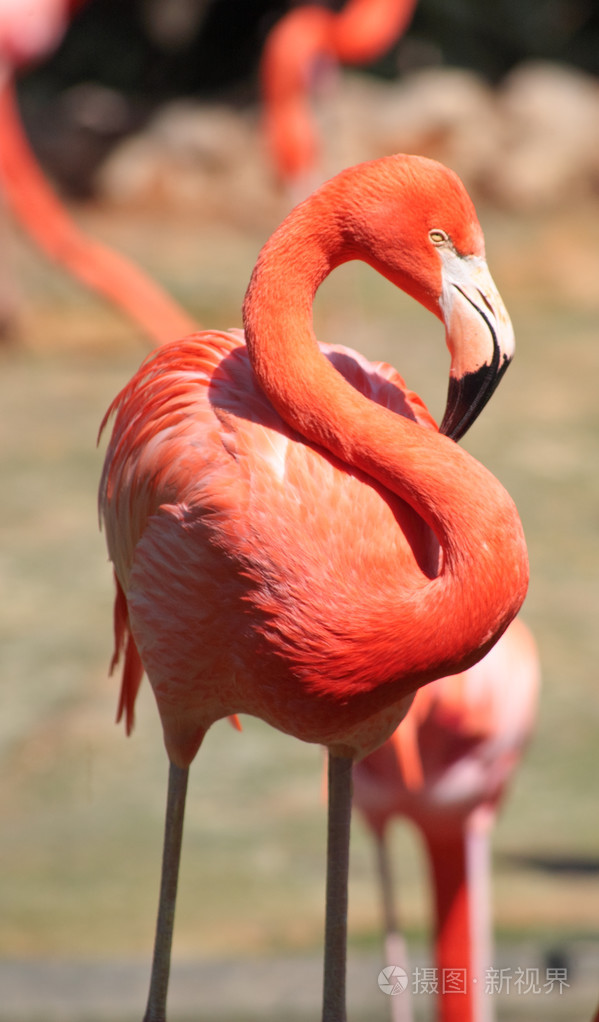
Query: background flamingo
[
  {"x": 447, "y": 768},
  {"x": 28, "y": 30},
  {"x": 299, "y": 46},
  {"x": 247, "y": 489}
]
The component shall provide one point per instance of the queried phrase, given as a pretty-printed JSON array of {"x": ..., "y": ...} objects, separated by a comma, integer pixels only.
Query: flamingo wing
[{"x": 211, "y": 490}]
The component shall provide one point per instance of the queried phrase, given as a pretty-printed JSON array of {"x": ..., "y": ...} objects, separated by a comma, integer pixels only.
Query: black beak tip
[
  {"x": 459, "y": 412},
  {"x": 467, "y": 396}
]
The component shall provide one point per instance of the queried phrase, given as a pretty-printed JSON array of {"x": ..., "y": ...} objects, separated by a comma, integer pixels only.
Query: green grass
[{"x": 82, "y": 806}]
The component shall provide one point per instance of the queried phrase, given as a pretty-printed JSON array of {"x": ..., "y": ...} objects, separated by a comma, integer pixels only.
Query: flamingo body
[{"x": 235, "y": 467}]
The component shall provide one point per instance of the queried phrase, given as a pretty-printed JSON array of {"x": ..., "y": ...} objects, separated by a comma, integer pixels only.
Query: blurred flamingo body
[
  {"x": 303, "y": 44},
  {"x": 28, "y": 30},
  {"x": 447, "y": 768},
  {"x": 292, "y": 538}
]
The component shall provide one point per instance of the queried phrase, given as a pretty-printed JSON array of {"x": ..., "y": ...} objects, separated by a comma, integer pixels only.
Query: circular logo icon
[{"x": 393, "y": 980}]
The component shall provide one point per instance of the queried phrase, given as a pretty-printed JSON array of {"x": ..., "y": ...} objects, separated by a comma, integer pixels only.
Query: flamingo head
[{"x": 419, "y": 229}]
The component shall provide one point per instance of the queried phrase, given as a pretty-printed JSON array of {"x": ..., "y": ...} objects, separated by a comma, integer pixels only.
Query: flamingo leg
[
  {"x": 383, "y": 861},
  {"x": 335, "y": 949},
  {"x": 396, "y": 952},
  {"x": 478, "y": 865},
  {"x": 173, "y": 834}
]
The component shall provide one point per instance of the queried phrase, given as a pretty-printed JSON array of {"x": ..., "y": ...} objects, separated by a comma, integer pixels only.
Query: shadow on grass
[{"x": 557, "y": 865}]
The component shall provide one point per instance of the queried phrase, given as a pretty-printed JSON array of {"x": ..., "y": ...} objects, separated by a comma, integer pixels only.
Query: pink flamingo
[
  {"x": 291, "y": 535},
  {"x": 28, "y": 29},
  {"x": 446, "y": 768},
  {"x": 297, "y": 47}
]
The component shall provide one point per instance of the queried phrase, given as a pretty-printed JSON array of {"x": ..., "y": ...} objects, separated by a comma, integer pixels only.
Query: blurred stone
[
  {"x": 434, "y": 112},
  {"x": 447, "y": 114},
  {"x": 530, "y": 144},
  {"x": 171, "y": 24},
  {"x": 194, "y": 157},
  {"x": 210, "y": 135},
  {"x": 72, "y": 132},
  {"x": 97, "y": 108},
  {"x": 549, "y": 150}
]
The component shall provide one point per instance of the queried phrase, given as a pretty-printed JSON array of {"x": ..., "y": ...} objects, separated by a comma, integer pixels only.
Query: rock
[
  {"x": 531, "y": 144},
  {"x": 196, "y": 158},
  {"x": 549, "y": 151}
]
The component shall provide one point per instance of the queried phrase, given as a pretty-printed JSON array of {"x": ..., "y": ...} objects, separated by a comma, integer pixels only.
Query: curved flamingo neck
[
  {"x": 309, "y": 36},
  {"x": 484, "y": 572},
  {"x": 41, "y": 213},
  {"x": 365, "y": 29}
]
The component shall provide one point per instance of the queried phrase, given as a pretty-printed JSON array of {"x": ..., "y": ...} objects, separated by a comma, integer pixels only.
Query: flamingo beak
[{"x": 479, "y": 336}]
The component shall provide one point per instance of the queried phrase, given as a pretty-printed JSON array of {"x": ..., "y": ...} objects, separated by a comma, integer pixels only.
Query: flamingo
[
  {"x": 446, "y": 768},
  {"x": 29, "y": 29},
  {"x": 300, "y": 43},
  {"x": 291, "y": 535}
]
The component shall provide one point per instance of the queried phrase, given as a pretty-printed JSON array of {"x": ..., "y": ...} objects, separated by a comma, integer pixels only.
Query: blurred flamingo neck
[
  {"x": 49, "y": 224},
  {"x": 364, "y": 29}
]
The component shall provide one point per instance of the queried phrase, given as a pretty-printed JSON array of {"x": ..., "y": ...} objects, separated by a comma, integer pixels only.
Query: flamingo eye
[{"x": 438, "y": 237}]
